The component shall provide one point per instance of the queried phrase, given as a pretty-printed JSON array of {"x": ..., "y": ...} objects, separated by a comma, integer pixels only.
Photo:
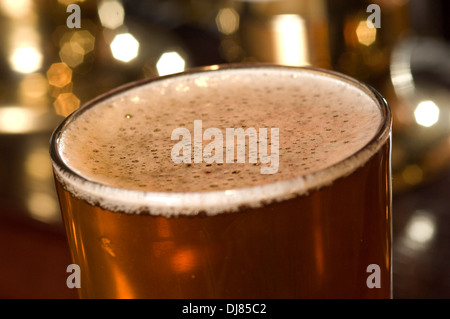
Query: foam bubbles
[{"x": 321, "y": 122}]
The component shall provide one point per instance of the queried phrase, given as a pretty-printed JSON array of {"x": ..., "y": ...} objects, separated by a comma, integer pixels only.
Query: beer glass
[{"x": 229, "y": 181}]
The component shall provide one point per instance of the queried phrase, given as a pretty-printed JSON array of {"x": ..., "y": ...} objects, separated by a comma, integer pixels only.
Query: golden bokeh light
[
  {"x": 74, "y": 45},
  {"x": 26, "y": 59},
  {"x": 420, "y": 230},
  {"x": 16, "y": 119},
  {"x": 59, "y": 75},
  {"x": 366, "y": 32},
  {"x": 16, "y": 8},
  {"x": 33, "y": 91},
  {"x": 426, "y": 113},
  {"x": 43, "y": 206},
  {"x": 37, "y": 164},
  {"x": 111, "y": 14},
  {"x": 33, "y": 85},
  {"x": 23, "y": 46},
  {"x": 227, "y": 21},
  {"x": 291, "y": 39},
  {"x": 85, "y": 39},
  {"x": 412, "y": 174},
  {"x": 66, "y": 103},
  {"x": 169, "y": 63},
  {"x": 124, "y": 47},
  {"x": 71, "y": 54},
  {"x": 54, "y": 91}
]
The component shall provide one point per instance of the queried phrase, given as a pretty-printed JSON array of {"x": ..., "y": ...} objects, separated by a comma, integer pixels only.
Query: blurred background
[{"x": 48, "y": 69}]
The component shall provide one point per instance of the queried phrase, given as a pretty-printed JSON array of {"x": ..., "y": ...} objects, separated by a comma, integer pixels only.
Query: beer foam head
[{"x": 121, "y": 147}]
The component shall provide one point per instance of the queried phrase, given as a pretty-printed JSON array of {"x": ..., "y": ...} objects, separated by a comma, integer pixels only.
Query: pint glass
[{"x": 232, "y": 181}]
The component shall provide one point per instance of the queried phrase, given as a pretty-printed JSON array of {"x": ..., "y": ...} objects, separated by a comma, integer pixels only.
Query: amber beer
[{"x": 141, "y": 225}]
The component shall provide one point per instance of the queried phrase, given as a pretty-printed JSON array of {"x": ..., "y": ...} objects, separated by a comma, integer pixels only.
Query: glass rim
[{"x": 171, "y": 203}]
